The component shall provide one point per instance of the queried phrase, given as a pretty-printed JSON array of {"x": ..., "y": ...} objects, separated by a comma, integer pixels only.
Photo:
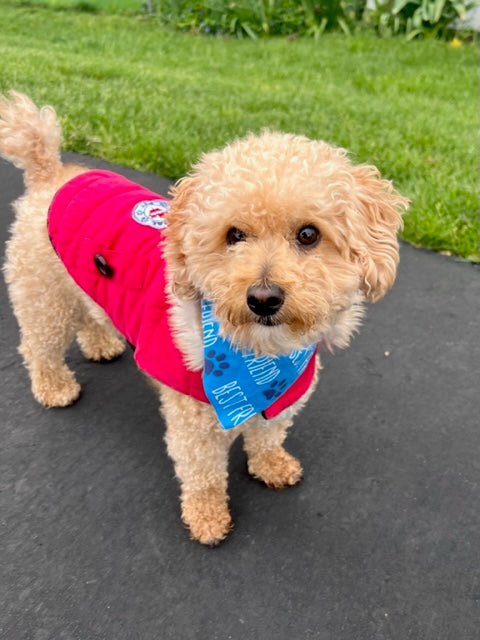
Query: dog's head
[{"x": 285, "y": 236}]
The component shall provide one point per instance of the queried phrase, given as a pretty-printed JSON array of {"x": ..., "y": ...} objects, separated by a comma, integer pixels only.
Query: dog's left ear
[
  {"x": 177, "y": 238},
  {"x": 374, "y": 244}
]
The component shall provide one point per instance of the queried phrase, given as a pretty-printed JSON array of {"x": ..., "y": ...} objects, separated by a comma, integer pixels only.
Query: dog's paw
[
  {"x": 55, "y": 387},
  {"x": 205, "y": 514},
  {"x": 100, "y": 346},
  {"x": 276, "y": 468}
]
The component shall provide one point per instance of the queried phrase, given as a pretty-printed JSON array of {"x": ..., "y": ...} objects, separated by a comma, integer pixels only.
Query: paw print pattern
[
  {"x": 215, "y": 364},
  {"x": 275, "y": 390}
]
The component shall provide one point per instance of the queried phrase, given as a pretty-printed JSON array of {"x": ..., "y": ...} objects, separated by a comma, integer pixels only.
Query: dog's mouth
[{"x": 268, "y": 321}]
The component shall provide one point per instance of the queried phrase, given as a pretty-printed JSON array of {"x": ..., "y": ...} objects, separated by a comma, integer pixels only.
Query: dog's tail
[{"x": 30, "y": 137}]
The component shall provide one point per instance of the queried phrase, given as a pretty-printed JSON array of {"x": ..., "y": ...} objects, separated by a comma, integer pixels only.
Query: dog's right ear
[{"x": 176, "y": 233}]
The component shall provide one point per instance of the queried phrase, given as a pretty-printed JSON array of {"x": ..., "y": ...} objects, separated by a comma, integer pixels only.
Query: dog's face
[{"x": 285, "y": 236}]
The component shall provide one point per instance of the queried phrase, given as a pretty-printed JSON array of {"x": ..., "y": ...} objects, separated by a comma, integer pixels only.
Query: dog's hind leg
[
  {"x": 267, "y": 459},
  {"x": 53, "y": 383},
  {"x": 45, "y": 336},
  {"x": 47, "y": 307},
  {"x": 98, "y": 340}
]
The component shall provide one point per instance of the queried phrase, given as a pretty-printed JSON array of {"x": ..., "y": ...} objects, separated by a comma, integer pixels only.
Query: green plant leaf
[
  {"x": 398, "y": 5},
  {"x": 460, "y": 9},
  {"x": 413, "y": 34},
  {"x": 417, "y": 18},
  {"x": 322, "y": 26},
  {"x": 425, "y": 10},
  {"x": 344, "y": 26},
  {"x": 438, "y": 10},
  {"x": 249, "y": 31}
]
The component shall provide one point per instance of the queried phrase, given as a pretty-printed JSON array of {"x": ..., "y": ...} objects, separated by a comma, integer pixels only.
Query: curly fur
[{"x": 269, "y": 186}]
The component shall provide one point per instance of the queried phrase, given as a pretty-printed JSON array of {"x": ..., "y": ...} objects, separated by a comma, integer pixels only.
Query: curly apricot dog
[{"x": 267, "y": 250}]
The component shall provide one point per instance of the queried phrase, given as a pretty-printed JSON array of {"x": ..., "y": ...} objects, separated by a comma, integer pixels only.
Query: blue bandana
[{"x": 239, "y": 384}]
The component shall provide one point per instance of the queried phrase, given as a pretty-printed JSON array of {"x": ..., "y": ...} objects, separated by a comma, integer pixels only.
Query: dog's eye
[
  {"x": 234, "y": 235},
  {"x": 308, "y": 236}
]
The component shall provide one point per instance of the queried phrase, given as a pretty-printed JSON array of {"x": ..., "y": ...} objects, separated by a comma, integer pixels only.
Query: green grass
[{"x": 135, "y": 94}]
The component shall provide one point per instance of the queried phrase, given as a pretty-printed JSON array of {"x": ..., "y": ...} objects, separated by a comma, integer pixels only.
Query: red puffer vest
[{"x": 108, "y": 233}]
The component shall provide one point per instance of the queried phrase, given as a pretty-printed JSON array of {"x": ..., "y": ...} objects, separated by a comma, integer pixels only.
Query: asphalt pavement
[{"x": 380, "y": 542}]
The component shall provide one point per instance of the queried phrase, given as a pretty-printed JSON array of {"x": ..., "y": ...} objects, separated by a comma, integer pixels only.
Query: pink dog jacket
[{"x": 108, "y": 233}]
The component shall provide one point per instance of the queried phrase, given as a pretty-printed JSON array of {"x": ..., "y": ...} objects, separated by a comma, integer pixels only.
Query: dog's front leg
[
  {"x": 199, "y": 449},
  {"x": 267, "y": 459}
]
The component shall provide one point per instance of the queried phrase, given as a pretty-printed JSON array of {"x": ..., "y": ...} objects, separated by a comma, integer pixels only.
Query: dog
[{"x": 269, "y": 249}]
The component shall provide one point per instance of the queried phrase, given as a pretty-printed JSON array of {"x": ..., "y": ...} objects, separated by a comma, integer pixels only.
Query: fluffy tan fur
[{"x": 268, "y": 186}]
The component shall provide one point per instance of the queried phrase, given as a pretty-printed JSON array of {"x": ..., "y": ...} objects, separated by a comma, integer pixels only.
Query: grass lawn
[{"x": 135, "y": 94}]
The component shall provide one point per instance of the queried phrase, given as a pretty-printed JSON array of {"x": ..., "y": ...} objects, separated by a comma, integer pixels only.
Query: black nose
[{"x": 265, "y": 301}]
